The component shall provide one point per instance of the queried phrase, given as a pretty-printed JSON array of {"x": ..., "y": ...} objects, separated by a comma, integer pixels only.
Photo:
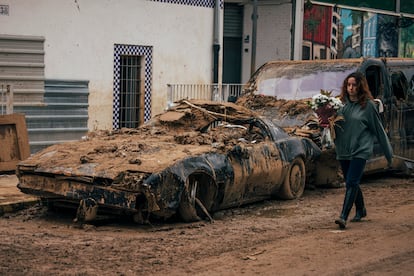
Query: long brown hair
[{"x": 362, "y": 87}]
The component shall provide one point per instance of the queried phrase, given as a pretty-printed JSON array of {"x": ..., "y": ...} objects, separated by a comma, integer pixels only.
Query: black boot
[
  {"x": 359, "y": 215},
  {"x": 349, "y": 200},
  {"x": 360, "y": 207}
]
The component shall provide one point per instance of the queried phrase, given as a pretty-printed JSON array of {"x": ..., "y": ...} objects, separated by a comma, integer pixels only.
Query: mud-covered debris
[
  {"x": 136, "y": 161},
  {"x": 102, "y": 149},
  {"x": 85, "y": 159},
  {"x": 290, "y": 107}
]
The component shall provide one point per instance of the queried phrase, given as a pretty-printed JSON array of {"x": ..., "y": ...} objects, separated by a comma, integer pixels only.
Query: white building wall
[
  {"x": 80, "y": 37},
  {"x": 274, "y": 25}
]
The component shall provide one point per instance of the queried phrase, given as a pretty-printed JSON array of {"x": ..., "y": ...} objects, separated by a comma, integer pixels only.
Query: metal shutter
[
  {"x": 22, "y": 66},
  {"x": 233, "y": 20}
]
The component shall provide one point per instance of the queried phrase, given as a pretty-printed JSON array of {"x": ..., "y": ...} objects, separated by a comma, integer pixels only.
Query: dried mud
[{"x": 295, "y": 237}]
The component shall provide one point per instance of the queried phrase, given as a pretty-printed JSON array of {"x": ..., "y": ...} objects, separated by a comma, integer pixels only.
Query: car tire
[
  {"x": 294, "y": 183},
  {"x": 187, "y": 209},
  {"x": 197, "y": 199}
]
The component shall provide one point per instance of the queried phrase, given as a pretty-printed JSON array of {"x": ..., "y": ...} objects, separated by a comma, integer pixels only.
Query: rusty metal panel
[
  {"x": 14, "y": 144},
  {"x": 22, "y": 66},
  {"x": 70, "y": 188}
]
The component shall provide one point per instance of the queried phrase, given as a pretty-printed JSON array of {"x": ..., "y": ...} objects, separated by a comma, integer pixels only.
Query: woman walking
[{"x": 354, "y": 141}]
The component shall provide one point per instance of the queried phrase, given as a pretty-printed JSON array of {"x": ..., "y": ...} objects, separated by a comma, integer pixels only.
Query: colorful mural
[
  {"x": 406, "y": 41},
  {"x": 332, "y": 32}
]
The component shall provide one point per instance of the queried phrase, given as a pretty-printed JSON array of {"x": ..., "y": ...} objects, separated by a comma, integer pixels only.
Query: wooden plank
[{"x": 14, "y": 141}]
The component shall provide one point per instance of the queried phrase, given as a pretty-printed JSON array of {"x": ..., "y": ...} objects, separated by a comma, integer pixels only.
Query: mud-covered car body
[
  {"x": 196, "y": 158},
  {"x": 390, "y": 80}
]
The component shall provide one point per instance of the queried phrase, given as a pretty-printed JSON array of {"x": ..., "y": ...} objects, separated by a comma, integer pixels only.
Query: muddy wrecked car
[
  {"x": 196, "y": 158},
  {"x": 278, "y": 90}
]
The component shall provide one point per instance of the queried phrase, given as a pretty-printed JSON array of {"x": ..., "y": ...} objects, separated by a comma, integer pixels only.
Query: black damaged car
[{"x": 192, "y": 160}]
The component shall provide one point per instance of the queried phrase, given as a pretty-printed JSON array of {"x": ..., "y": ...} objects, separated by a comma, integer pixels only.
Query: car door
[{"x": 257, "y": 167}]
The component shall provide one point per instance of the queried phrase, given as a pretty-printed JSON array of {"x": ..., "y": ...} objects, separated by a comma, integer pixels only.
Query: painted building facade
[
  {"x": 118, "y": 44},
  {"x": 358, "y": 31}
]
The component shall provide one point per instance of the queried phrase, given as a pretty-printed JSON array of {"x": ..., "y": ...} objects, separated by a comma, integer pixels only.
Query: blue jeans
[{"x": 353, "y": 170}]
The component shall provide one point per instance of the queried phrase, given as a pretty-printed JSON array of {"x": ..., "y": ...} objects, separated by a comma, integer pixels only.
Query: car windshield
[{"x": 302, "y": 80}]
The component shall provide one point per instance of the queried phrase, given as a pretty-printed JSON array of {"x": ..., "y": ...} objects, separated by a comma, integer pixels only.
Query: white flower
[
  {"x": 323, "y": 99},
  {"x": 335, "y": 103}
]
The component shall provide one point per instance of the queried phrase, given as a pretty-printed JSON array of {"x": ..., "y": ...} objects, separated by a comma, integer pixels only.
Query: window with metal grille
[{"x": 131, "y": 92}]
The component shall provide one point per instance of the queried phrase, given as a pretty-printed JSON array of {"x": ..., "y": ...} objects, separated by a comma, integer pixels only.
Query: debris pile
[{"x": 290, "y": 107}]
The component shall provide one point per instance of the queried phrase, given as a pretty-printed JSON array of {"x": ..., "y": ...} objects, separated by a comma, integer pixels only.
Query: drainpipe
[
  {"x": 216, "y": 41},
  {"x": 298, "y": 29},
  {"x": 397, "y": 10},
  {"x": 293, "y": 31},
  {"x": 254, "y": 38}
]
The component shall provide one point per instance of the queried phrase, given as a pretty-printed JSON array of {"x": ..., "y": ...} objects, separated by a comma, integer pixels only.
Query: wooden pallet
[{"x": 14, "y": 142}]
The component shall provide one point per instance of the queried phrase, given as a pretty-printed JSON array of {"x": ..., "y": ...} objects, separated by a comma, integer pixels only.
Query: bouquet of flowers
[{"x": 326, "y": 107}]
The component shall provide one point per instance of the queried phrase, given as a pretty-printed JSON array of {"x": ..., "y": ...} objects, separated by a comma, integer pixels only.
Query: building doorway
[{"x": 232, "y": 42}]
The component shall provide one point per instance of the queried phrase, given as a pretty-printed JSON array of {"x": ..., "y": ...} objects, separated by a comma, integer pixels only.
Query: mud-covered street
[{"x": 296, "y": 237}]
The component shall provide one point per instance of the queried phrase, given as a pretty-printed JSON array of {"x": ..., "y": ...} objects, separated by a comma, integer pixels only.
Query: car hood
[
  {"x": 168, "y": 138},
  {"x": 107, "y": 158}
]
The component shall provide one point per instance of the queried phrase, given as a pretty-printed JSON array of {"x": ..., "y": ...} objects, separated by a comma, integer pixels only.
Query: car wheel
[
  {"x": 197, "y": 198},
  {"x": 294, "y": 183}
]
